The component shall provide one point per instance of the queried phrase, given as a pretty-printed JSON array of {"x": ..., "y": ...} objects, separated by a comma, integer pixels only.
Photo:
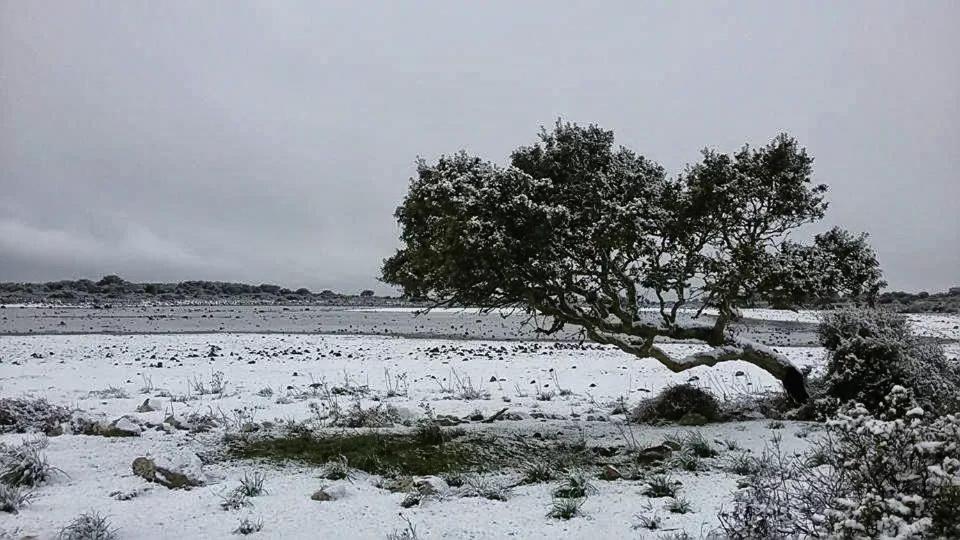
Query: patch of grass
[
  {"x": 651, "y": 522},
  {"x": 660, "y": 485},
  {"x": 248, "y": 526},
  {"x": 337, "y": 469},
  {"x": 481, "y": 486},
  {"x": 13, "y": 498},
  {"x": 679, "y": 505},
  {"x": 693, "y": 442},
  {"x": 235, "y": 500},
  {"x": 685, "y": 460},
  {"x": 565, "y": 508},
  {"x": 88, "y": 526},
  {"x": 409, "y": 532},
  {"x": 743, "y": 464},
  {"x": 252, "y": 485},
  {"x": 575, "y": 485},
  {"x": 375, "y": 453},
  {"x": 537, "y": 472},
  {"x": 25, "y": 465}
]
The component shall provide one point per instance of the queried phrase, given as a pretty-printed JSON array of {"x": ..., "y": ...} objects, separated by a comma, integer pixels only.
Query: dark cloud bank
[{"x": 271, "y": 141}]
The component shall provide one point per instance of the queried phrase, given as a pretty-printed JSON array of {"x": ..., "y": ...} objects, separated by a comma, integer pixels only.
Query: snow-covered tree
[{"x": 581, "y": 231}]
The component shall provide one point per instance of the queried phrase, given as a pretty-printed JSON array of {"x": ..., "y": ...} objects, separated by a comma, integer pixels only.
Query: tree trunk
[{"x": 733, "y": 348}]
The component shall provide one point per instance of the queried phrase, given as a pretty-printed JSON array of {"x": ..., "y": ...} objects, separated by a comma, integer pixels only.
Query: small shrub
[
  {"x": 651, "y": 522},
  {"x": 575, "y": 485},
  {"x": 698, "y": 445},
  {"x": 675, "y": 402},
  {"x": 409, "y": 532},
  {"x": 566, "y": 507},
  {"x": 685, "y": 460},
  {"x": 693, "y": 442},
  {"x": 894, "y": 474},
  {"x": 13, "y": 498},
  {"x": 871, "y": 351},
  {"x": 88, "y": 526},
  {"x": 537, "y": 472},
  {"x": 743, "y": 464},
  {"x": 25, "y": 464},
  {"x": 679, "y": 505},
  {"x": 660, "y": 485},
  {"x": 235, "y": 499},
  {"x": 338, "y": 469},
  {"x": 21, "y": 415},
  {"x": 480, "y": 486},
  {"x": 252, "y": 485},
  {"x": 248, "y": 526}
]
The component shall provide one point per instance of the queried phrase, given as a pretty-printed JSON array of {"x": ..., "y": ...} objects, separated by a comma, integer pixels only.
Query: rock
[
  {"x": 430, "y": 485},
  {"x": 125, "y": 426},
  {"x": 331, "y": 493},
  {"x": 411, "y": 500},
  {"x": 611, "y": 473},
  {"x": 173, "y": 421},
  {"x": 447, "y": 420},
  {"x": 321, "y": 495},
  {"x": 693, "y": 419},
  {"x": 654, "y": 453},
  {"x": 181, "y": 470},
  {"x": 150, "y": 405}
]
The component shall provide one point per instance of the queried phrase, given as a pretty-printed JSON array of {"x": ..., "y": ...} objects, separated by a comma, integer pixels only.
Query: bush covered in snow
[
  {"x": 88, "y": 526},
  {"x": 22, "y": 415},
  {"x": 871, "y": 351},
  {"x": 25, "y": 464},
  {"x": 890, "y": 474},
  {"x": 676, "y": 402}
]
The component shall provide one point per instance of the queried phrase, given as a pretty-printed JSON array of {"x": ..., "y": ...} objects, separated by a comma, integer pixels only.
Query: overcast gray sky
[{"x": 271, "y": 141}]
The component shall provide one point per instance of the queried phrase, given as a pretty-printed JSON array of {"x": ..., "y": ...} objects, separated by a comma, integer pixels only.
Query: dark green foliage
[
  {"x": 580, "y": 230},
  {"x": 370, "y": 452},
  {"x": 676, "y": 402}
]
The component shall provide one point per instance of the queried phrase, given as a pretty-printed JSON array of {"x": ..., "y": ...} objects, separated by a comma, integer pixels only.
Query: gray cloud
[{"x": 271, "y": 141}]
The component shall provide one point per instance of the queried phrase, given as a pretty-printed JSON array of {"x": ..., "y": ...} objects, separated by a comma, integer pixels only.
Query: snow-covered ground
[{"x": 109, "y": 376}]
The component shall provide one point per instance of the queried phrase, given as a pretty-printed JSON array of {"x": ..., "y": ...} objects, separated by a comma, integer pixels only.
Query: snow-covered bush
[
  {"x": 21, "y": 415},
  {"x": 88, "y": 526},
  {"x": 871, "y": 351},
  {"x": 13, "y": 498},
  {"x": 891, "y": 474},
  {"x": 24, "y": 464},
  {"x": 676, "y": 402}
]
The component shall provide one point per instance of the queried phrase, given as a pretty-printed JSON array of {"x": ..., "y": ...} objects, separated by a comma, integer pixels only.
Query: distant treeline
[
  {"x": 922, "y": 302},
  {"x": 115, "y": 289}
]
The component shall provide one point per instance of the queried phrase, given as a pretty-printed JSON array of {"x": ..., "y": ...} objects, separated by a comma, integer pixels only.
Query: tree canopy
[{"x": 583, "y": 231}]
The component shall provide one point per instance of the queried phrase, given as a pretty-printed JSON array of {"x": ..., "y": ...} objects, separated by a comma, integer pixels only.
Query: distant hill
[{"x": 116, "y": 290}]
